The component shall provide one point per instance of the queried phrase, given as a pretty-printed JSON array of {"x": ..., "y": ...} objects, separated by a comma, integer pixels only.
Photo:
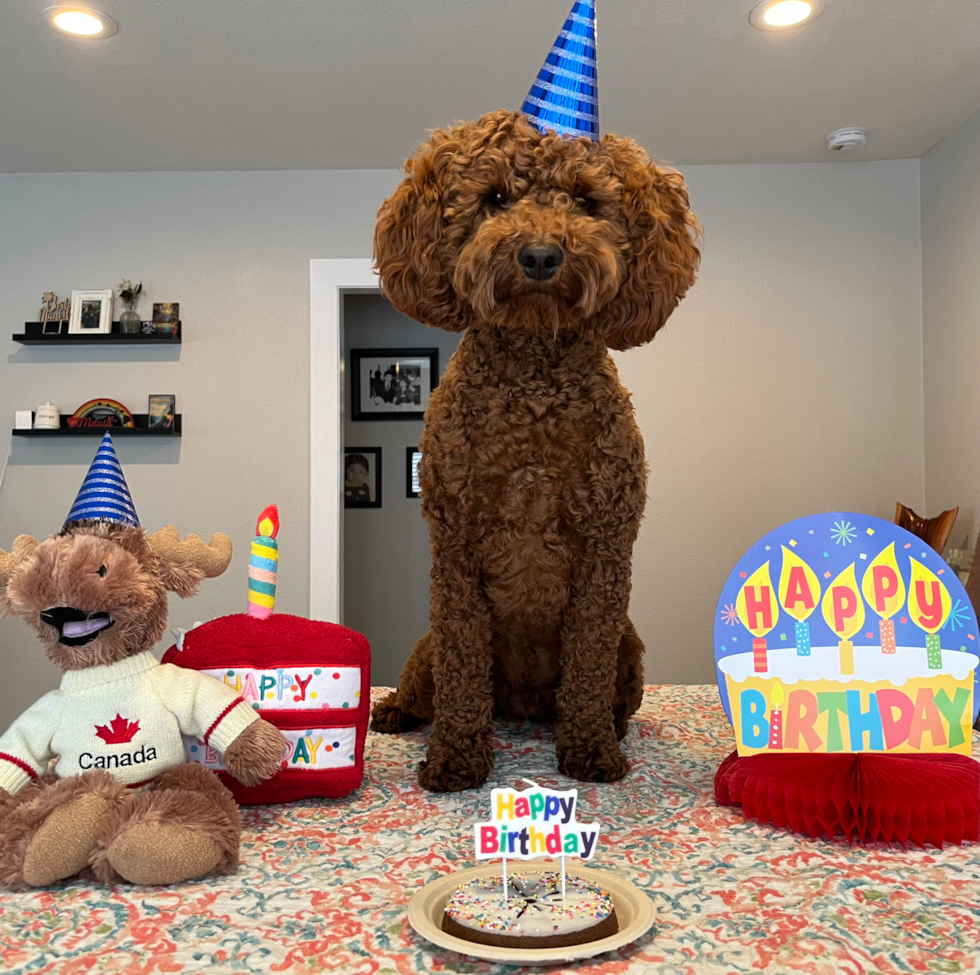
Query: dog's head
[{"x": 498, "y": 222}]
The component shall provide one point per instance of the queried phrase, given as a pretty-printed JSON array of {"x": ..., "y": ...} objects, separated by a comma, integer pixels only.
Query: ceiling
[{"x": 339, "y": 84}]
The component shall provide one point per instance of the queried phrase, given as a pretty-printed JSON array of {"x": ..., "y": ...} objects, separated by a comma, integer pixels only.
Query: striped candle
[{"x": 263, "y": 563}]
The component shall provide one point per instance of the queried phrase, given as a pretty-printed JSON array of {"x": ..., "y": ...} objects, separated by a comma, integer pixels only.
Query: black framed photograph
[
  {"x": 362, "y": 477},
  {"x": 161, "y": 412},
  {"x": 392, "y": 384},
  {"x": 412, "y": 457}
]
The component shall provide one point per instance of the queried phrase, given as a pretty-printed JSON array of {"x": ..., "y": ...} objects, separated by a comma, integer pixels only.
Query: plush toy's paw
[
  {"x": 455, "y": 768},
  {"x": 49, "y": 829},
  {"x": 256, "y": 754},
  {"x": 155, "y": 853},
  {"x": 389, "y": 719},
  {"x": 592, "y": 762},
  {"x": 61, "y": 847}
]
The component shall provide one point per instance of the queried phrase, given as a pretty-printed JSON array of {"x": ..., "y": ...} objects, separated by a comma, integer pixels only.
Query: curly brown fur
[
  {"x": 190, "y": 797},
  {"x": 533, "y": 476},
  {"x": 22, "y": 816}
]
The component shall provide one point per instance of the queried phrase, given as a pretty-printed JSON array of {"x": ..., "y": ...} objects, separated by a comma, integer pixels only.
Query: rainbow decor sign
[
  {"x": 536, "y": 822},
  {"x": 841, "y": 632}
]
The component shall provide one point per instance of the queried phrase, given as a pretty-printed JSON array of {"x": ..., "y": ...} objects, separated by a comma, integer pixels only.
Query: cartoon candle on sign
[
  {"x": 843, "y": 609},
  {"x": 799, "y": 591},
  {"x": 929, "y": 608},
  {"x": 776, "y": 716},
  {"x": 758, "y": 609},
  {"x": 885, "y": 592},
  {"x": 263, "y": 562}
]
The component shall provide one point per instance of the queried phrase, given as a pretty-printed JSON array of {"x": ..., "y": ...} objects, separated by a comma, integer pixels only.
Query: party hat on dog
[
  {"x": 104, "y": 494},
  {"x": 565, "y": 96}
]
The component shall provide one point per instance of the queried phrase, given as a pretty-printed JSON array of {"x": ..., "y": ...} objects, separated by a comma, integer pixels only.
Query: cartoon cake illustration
[{"x": 844, "y": 633}]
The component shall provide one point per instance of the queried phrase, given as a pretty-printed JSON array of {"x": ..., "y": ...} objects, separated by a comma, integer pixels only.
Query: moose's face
[
  {"x": 91, "y": 595},
  {"x": 97, "y": 592}
]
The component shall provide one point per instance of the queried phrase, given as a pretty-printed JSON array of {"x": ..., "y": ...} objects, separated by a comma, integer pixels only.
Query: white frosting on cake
[
  {"x": 534, "y": 906},
  {"x": 870, "y": 665}
]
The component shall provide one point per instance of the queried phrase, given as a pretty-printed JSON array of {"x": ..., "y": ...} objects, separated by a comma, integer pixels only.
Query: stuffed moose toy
[{"x": 120, "y": 803}]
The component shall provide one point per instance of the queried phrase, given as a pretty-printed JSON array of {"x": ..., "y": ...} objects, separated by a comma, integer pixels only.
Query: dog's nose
[{"x": 540, "y": 261}]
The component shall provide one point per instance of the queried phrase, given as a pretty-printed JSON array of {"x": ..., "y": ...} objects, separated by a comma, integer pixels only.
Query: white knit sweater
[{"x": 126, "y": 718}]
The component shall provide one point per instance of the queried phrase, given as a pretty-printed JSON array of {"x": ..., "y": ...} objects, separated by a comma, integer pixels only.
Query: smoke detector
[{"x": 846, "y": 139}]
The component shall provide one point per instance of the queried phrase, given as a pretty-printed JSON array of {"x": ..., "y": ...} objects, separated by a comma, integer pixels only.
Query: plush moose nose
[{"x": 540, "y": 261}]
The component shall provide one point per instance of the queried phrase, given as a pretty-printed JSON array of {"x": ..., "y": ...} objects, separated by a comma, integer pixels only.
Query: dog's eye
[
  {"x": 587, "y": 204},
  {"x": 102, "y": 571},
  {"x": 496, "y": 199}
]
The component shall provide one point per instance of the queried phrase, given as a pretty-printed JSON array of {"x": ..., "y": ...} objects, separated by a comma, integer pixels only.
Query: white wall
[
  {"x": 951, "y": 326},
  {"x": 234, "y": 250},
  {"x": 788, "y": 382},
  {"x": 804, "y": 329}
]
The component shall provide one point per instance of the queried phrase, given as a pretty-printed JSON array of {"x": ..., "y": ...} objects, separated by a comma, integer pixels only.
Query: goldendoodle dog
[{"x": 547, "y": 252}]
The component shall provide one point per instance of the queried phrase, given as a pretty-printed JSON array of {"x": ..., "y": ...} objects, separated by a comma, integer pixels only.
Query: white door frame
[{"x": 329, "y": 280}]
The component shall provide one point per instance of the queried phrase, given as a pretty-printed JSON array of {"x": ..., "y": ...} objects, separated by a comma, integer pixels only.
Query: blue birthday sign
[{"x": 843, "y": 632}]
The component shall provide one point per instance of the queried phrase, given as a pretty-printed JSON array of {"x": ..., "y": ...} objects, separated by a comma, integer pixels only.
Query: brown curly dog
[{"x": 547, "y": 251}]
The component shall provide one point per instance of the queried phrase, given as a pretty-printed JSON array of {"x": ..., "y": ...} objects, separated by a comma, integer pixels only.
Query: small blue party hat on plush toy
[
  {"x": 565, "y": 96},
  {"x": 104, "y": 494}
]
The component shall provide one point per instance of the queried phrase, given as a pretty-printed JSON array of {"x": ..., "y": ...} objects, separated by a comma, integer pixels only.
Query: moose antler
[
  {"x": 24, "y": 547},
  {"x": 212, "y": 558}
]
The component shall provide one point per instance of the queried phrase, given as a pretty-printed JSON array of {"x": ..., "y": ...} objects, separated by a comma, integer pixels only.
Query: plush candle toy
[{"x": 263, "y": 563}]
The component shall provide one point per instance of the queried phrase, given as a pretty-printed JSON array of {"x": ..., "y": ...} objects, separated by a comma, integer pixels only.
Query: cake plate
[{"x": 634, "y": 911}]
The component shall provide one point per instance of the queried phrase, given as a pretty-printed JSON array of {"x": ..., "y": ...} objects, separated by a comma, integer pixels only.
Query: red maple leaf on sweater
[{"x": 118, "y": 731}]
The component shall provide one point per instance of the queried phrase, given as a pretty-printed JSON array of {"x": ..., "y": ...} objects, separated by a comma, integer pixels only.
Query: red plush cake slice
[{"x": 312, "y": 680}]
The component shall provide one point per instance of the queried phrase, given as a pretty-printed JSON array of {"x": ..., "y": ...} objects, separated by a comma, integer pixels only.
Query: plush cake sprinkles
[{"x": 534, "y": 914}]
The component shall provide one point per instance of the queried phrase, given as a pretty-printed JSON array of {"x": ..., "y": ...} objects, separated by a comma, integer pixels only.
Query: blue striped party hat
[
  {"x": 104, "y": 494},
  {"x": 565, "y": 95}
]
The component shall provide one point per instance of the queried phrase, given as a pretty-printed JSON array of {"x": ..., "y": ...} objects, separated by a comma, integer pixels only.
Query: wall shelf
[
  {"x": 34, "y": 335},
  {"x": 140, "y": 430}
]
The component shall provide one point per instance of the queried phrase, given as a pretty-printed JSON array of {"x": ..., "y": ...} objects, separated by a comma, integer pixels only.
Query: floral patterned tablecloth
[{"x": 323, "y": 885}]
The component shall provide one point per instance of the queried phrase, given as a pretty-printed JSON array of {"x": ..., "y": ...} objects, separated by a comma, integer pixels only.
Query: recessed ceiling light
[
  {"x": 784, "y": 14},
  {"x": 81, "y": 21}
]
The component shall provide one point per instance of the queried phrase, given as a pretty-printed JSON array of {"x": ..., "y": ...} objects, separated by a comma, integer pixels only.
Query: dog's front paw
[
  {"x": 453, "y": 769},
  {"x": 594, "y": 762}
]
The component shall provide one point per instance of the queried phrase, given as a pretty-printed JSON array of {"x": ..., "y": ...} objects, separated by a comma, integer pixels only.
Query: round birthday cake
[{"x": 534, "y": 913}]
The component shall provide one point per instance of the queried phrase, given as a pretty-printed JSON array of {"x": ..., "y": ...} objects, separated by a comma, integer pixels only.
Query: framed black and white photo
[
  {"x": 362, "y": 477},
  {"x": 412, "y": 457},
  {"x": 392, "y": 384},
  {"x": 91, "y": 313}
]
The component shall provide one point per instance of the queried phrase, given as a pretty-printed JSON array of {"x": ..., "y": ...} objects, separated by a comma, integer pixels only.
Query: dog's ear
[
  {"x": 410, "y": 245},
  {"x": 663, "y": 237}
]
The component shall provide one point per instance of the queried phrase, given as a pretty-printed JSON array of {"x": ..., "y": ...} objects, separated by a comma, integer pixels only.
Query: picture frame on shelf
[
  {"x": 392, "y": 384},
  {"x": 412, "y": 457},
  {"x": 161, "y": 411},
  {"x": 91, "y": 313},
  {"x": 362, "y": 477},
  {"x": 166, "y": 315}
]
